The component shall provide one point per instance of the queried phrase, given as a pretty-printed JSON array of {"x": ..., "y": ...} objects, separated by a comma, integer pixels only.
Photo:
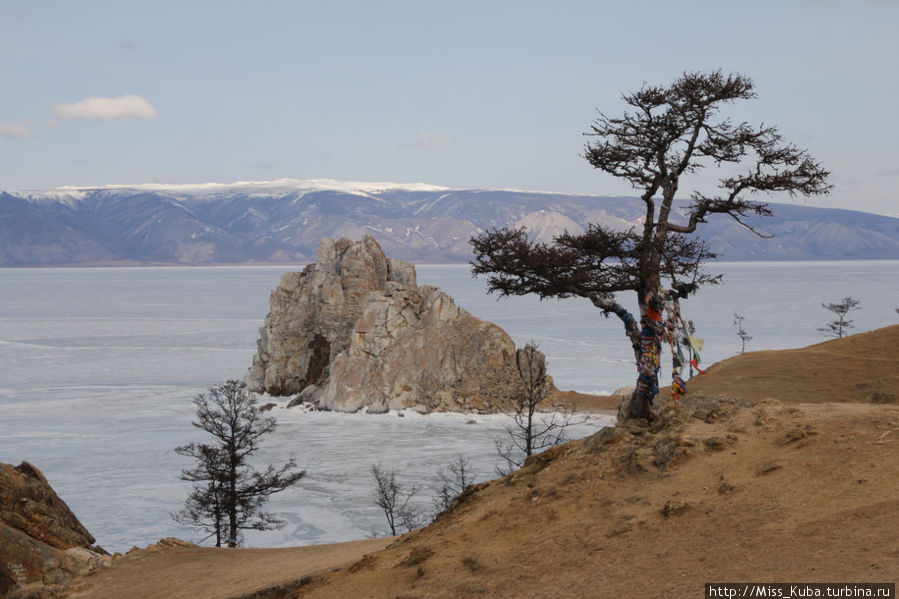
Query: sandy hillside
[
  {"x": 772, "y": 492},
  {"x": 761, "y": 476},
  {"x": 184, "y": 571},
  {"x": 858, "y": 368}
]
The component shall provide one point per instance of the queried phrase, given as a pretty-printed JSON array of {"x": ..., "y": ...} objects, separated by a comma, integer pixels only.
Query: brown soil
[
  {"x": 858, "y": 368},
  {"x": 766, "y": 473},
  {"x": 185, "y": 571}
]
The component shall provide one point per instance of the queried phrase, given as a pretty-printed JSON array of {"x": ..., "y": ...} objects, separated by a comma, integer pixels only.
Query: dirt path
[{"x": 190, "y": 572}]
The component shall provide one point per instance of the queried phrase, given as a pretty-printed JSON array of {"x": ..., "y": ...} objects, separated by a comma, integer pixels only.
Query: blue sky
[{"x": 464, "y": 94}]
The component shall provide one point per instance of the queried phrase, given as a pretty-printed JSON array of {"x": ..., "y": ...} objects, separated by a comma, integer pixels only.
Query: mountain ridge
[{"x": 282, "y": 221}]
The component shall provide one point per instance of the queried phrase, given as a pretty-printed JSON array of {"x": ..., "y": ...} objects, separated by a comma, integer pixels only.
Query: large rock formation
[
  {"x": 42, "y": 543},
  {"x": 355, "y": 331}
]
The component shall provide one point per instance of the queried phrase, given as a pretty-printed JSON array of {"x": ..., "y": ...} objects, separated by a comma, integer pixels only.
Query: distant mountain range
[{"x": 283, "y": 221}]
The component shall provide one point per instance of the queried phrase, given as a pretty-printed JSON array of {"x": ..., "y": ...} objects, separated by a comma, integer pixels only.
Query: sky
[{"x": 469, "y": 94}]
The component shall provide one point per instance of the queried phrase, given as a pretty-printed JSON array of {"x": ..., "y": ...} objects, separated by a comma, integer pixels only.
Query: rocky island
[{"x": 355, "y": 331}]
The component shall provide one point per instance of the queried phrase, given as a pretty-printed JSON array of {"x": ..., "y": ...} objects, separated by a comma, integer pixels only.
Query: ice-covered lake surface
[{"x": 98, "y": 368}]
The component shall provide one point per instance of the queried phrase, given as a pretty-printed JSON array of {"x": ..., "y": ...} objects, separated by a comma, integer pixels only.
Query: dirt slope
[
  {"x": 734, "y": 486},
  {"x": 858, "y": 368},
  {"x": 191, "y": 572},
  {"x": 771, "y": 492}
]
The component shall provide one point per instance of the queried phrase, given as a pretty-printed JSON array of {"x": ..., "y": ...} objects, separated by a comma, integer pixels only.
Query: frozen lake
[{"x": 98, "y": 368}]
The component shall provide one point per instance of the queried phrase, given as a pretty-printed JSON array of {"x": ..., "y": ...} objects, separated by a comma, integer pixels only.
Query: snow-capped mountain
[{"x": 283, "y": 221}]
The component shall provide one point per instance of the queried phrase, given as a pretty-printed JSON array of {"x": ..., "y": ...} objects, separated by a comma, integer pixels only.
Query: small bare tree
[
  {"x": 533, "y": 428},
  {"x": 451, "y": 481},
  {"x": 395, "y": 500},
  {"x": 841, "y": 309},
  {"x": 229, "y": 493},
  {"x": 742, "y": 334}
]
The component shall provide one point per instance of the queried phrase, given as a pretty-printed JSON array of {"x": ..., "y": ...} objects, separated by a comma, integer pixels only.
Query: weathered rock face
[
  {"x": 355, "y": 331},
  {"x": 313, "y": 314},
  {"x": 41, "y": 540}
]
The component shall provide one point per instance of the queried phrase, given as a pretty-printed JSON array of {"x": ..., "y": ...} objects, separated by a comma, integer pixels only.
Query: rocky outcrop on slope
[
  {"x": 355, "y": 331},
  {"x": 42, "y": 543}
]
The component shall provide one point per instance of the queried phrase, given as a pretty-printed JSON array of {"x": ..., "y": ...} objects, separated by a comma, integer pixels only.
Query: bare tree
[
  {"x": 452, "y": 481},
  {"x": 840, "y": 309},
  {"x": 395, "y": 500},
  {"x": 742, "y": 334},
  {"x": 230, "y": 493},
  {"x": 204, "y": 507},
  {"x": 536, "y": 425},
  {"x": 668, "y": 132}
]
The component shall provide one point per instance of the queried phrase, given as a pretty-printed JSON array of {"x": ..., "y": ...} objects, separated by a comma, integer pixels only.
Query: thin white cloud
[
  {"x": 129, "y": 106},
  {"x": 428, "y": 140},
  {"x": 15, "y": 131}
]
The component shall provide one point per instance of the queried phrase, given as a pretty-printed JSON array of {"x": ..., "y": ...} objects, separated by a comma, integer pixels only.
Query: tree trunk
[
  {"x": 529, "y": 433},
  {"x": 231, "y": 502},
  {"x": 647, "y": 353},
  {"x": 217, "y": 514},
  {"x": 646, "y": 340}
]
